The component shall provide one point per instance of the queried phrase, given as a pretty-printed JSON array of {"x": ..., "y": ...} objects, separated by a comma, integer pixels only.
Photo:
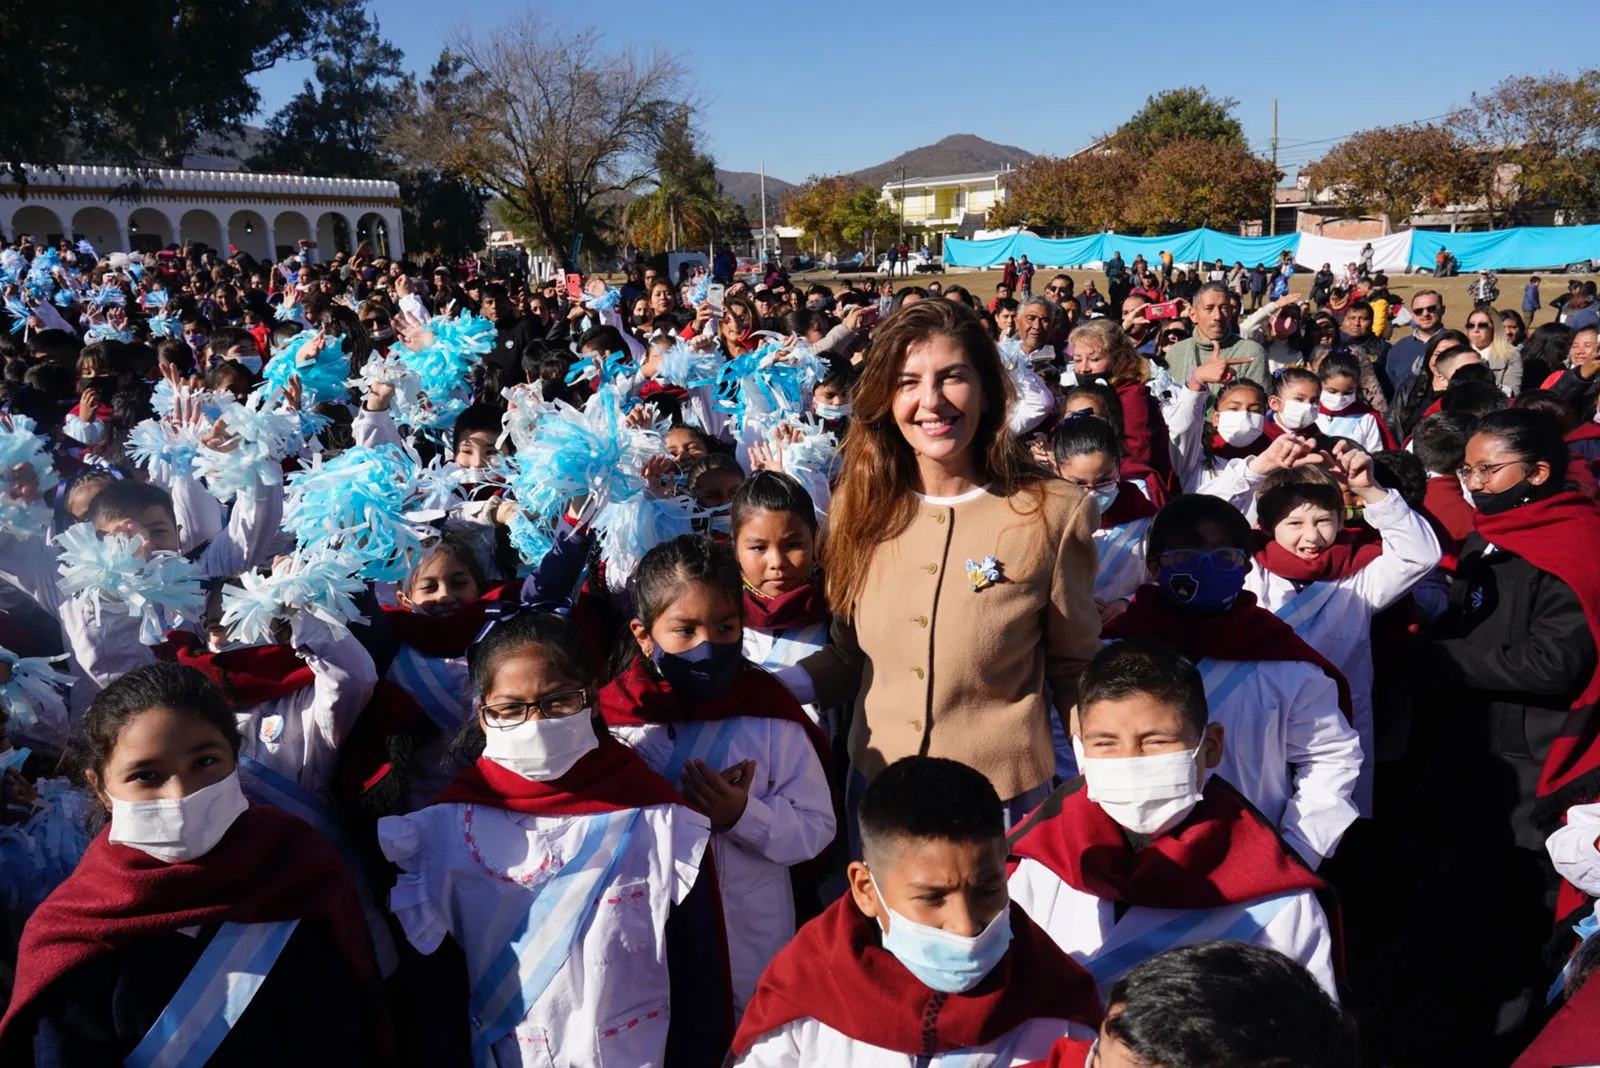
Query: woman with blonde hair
[
  {"x": 1489, "y": 340},
  {"x": 960, "y": 575},
  {"x": 1102, "y": 351}
]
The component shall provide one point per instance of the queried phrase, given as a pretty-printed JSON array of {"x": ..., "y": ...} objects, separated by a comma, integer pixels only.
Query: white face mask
[
  {"x": 1239, "y": 428},
  {"x": 1337, "y": 402},
  {"x": 182, "y": 828},
  {"x": 542, "y": 749},
  {"x": 1148, "y": 795},
  {"x": 1297, "y": 415}
]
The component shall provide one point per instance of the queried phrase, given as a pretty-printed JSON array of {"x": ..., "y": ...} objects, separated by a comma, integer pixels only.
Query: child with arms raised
[
  {"x": 727, "y": 734},
  {"x": 926, "y": 961}
]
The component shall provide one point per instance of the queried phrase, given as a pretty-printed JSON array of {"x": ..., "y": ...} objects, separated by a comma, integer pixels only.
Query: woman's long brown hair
[{"x": 876, "y": 496}]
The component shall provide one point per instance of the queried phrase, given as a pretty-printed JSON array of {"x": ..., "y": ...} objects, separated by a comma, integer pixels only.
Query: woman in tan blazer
[{"x": 961, "y": 575}]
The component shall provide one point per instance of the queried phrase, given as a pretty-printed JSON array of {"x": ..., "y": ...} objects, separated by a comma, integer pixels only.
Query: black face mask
[{"x": 1515, "y": 497}]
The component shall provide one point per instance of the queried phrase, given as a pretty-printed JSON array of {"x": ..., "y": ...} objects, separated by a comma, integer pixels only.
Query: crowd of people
[{"x": 402, "y": 663}]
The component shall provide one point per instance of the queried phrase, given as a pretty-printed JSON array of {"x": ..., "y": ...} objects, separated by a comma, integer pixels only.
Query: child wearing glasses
[
  {"x": 558, "y": 888},
  {"x": 1327, "y": 583},
  {"x": 1285, "y": 710},
  {"x": 729, "y": 736}
]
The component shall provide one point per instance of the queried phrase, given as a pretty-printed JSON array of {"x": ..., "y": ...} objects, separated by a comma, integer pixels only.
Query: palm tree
[{"x": 682, "y": 209}]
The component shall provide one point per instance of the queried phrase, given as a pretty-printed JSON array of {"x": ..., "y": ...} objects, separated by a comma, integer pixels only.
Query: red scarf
[
  {"x": 1245, "y": 631},
  {"x": 1155, "y": 483},
  {"x": 836, "y": 971},
  {"x": 1361, "y": 407},
  {"x": 1585, "y": 432},
  {"x": 1131, "y": 505},
  {"x": 1444, "y": 501},
  {"x": 1573, "y": 1034},
  {"x": 802, "y": 607},
  {"x": 1559, "y": 535},
  {"x": 444, "y": 637},
  {"x": 102, "y": 413},
  {"x": 249, "y": 677},
  {"x": 268, "y": 867},
  {"x": 605, "y": 779},
  {"x": 1350, "y": 552},
  {"x": 637, "y": 698},
  {"x": 1221, "y": 450},
  {"x": 1224, "y": 853}
]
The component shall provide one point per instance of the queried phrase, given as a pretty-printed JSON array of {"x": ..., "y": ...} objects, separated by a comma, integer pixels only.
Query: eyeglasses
[
  {"x": 1096, "y": 487},
  {"x": 1055, "y": 289},
  {"x": 1480, "y": 325},
  {"x": 1480, "y": 473},
  {"x": 1187, "y": 558},
  {"x": 1426, "y": 309},
  {"x": 555, "y": 706}
]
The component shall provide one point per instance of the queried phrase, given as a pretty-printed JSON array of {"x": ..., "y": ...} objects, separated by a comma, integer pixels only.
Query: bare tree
[{"x": 545, "y": 118}]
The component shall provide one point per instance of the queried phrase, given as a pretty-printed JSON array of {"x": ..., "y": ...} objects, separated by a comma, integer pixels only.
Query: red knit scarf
[
  {"x": 1350, "y": 552},
  {"x": 444, "y": 637},
  {"x": 1246, "y": 631},
  {"x": 608, "y": 778},
  {"x": 249, "y": 677},
  {"x": 1224, "y": 853},
  {"x": 1130, "y": 506},
  {"x": 836, "y": 971},
  {"x": 803, "y": 606}
]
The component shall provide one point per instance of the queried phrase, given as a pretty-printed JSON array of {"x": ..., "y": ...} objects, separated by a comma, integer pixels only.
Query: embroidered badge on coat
[
  {"x": 984, "y": 573},
  {"x": 271, "y": 729}
]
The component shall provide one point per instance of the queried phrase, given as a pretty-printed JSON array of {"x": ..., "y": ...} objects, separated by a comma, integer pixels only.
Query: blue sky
[{"x": 808, "y": 87}]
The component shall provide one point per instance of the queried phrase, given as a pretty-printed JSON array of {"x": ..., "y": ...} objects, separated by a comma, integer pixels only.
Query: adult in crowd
[
  {"x": 1511, "y": 678},
  {"x": 1404, "y": 361},
  {"x": 1214, "y": 330},
  {"x": 961, "y": 577}
]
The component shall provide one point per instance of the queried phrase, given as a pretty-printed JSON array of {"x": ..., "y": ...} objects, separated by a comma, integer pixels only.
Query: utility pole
[
  {"x": 763, "y": 211},
  {"x": 902, "y": 203},
  {"x": 1272, "y": 208}
]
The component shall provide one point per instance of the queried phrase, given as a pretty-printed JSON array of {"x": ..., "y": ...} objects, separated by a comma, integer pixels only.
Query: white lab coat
[
  {"x": 1086, "y": 926},
  {"x": 808, "y": 1042},
  {"x": 465, "y": 870},
  {"x": 788, "y": 820},
  {"x": 1121, "y": 553},
  {"x": 1361, "y": 428},
  {"x": 774, "y": 649},
  {"x": 1342, "y": 629},
  {"x": 1572, "y": 848}
]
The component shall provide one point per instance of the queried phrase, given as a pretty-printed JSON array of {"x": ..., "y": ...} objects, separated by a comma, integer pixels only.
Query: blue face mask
[
  {"x": 832, "y": 412},
  {"x": 943, "y": 961},
  {"x": 1104, "y": 499},
  {"x": 703, "y": 673},
  {"x": 250, "y": 363},
  {"x": 1202, "y": 583}
]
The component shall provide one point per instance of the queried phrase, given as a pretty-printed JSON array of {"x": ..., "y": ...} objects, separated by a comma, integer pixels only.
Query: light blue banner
[{"x": 1531, "y": 247}]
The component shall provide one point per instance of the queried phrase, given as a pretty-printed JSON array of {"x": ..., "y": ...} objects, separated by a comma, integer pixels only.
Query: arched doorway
[
  {"x": 288, "y": 230},
  {"x": 333, "y": 235},
  {"x": 200, "y": 227},
  {"x": 149, "y": 230},
  {"x": 39, "y": 222},
  {"x": 373, "y": 229},
  {"x": 100, "y": 228},
  {"x": 247, "y": 230}
]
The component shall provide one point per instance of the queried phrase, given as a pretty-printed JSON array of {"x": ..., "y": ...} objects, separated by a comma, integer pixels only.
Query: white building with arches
[{"x": 265, "y": 215}]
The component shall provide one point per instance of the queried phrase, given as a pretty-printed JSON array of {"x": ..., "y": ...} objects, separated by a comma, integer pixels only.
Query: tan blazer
[{"x": 937, "y": 667}]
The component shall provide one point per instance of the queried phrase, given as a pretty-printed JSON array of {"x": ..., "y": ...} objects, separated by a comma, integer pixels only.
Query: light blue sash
[
  {"x": 1303, "y": 607},
  {"x": 1222, "y": 677},
  {"x": 430, "y": 681},
  {"x": 276, "y": 790},
  {"x": 213, "y": 995},
  {"x": 707, "y": 740},
  {"x": 560, "y": 912},
  {"x": 1194, "y": 925},
  {"x": 1119, "y": 550},
  {"x": 1341, "y": 426},
  {"x": 794, "y": 644}
]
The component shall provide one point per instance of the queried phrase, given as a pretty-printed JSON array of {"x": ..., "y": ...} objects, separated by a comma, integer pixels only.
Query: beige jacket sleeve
[
  {"x": 1072, "y": 626},
  {"x": 836, "y": 669}
]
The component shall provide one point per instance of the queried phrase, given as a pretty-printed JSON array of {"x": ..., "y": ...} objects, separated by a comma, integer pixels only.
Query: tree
[
  {"x": 1190, "y": 113},
  {"x": 1548, "y": 129},
  {"x": 1189, "y": 183},
  {"x": 137, "y": 84},
  {"x": 334, "y": 126},
  {"x": 441, "y": 214},
  {"x": 1086, "y": 193},
  {"x": 686, "y": 208},
  {"x": 547, "y": 120},
  {"x": 866, "y": 218},
  {"x": 819, "y": 206},
  {"x": 1398, "y": 171}
]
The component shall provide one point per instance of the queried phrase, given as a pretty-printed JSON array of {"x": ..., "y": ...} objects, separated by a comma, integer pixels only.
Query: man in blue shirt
[{"x": 1404, "y": 361}]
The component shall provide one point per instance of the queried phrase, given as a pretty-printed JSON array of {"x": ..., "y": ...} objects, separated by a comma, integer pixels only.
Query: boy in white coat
[
  {"x": 925, "y": 962},
  {"x": 1146, "y": 851}
]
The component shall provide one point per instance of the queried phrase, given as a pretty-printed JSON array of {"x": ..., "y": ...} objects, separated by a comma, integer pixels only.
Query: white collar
[{"x": 960, "y": 498}]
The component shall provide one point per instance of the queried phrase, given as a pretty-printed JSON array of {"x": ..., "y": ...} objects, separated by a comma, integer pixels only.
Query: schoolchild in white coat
[
  {"x": 729, "y": 736},
  {"x": 1292, "y": 752},
  {"x": 1150, "y": 849},
  {"x": 1326, "y": 583},
  {"x": 925, "y": 961},
  {"x": 568, "y": 881}
]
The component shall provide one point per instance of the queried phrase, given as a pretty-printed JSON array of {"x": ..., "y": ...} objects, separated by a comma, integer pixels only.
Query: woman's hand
[{"x": 721, "y": 796}]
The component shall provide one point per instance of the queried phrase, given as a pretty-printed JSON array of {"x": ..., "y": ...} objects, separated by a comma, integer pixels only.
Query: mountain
[
  {"x": 956, "y": 154},
  {"x": 744, "y": 187}
]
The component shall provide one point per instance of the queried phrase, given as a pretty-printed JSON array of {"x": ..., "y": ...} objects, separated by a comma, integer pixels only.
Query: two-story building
[{"x": 950, "y": 205}]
